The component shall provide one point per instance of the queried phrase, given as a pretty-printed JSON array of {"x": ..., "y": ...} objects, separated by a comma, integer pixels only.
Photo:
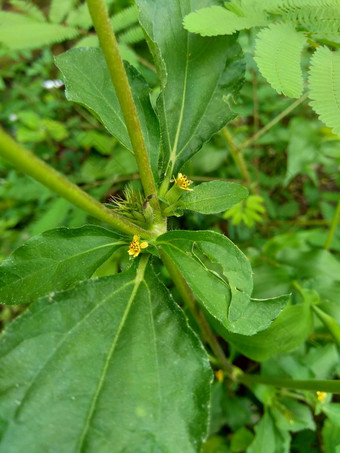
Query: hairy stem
[
  {"x": 333, "y": 226},
  {"x": 28, "y": 163},
  {"x": 206, "y": 332},
  {"x": 121, "y": 84}
]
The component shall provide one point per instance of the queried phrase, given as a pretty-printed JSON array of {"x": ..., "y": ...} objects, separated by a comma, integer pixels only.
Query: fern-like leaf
[
  {"x": 324, "y": 21},
  {"x": 29, "y": 9},
  {"x": 31, "y": 34},
  {"x": 80, "y": 17},
  {"x": 324, "y": 85},
  {"x": 125, "y": 18},
  {"x": 216, "y": 20},
  {"x": 292, "y": 5},
  {"x": 59, "y": 9},
  {"x": 132, "y": 36},
  {"x": 278, "y": 51}
]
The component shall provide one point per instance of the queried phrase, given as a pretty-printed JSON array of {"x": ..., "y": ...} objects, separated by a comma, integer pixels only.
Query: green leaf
[
  {"x": 290, "y": 415},
  {"x": 331, "y": 437},
  {"x": 217, "y": 20},
  {"x": 287, "y": 332},
  {"x": 324, "y": 85},
  {"x": 278, "y": 53},
  {"x": 241, "y": 440},
  {"x": 88, "y": 82},
  {"x": 199, "y": 78},
  {"x": 110, "y": 365},
  {"x": 220, "y": 277},
  {"x": 54, "y": 261},
  {"x": 20, "y": 32},
  {"x": 59, "y": 9},
  {"x": 213, "y": 197},
  {"x": 29, "y": 9},
  {"x": 268, "y": 438}
]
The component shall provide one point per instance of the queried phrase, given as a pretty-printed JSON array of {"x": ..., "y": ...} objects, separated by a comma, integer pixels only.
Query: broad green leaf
[
  {"x": 287, "y": 332},
  {"x": 213, "y": 197},
  {"x": 278, "y": 53},
  {"x": 290, "y": 415},
  {"x": 220, "y": 277},
  {"x": 268, "y": 438},
  {"x": 54, "y": 261},
  {"x": 332, "y": 410},
  {"x": 217, "y": 20},
  {"x": 110, "y": 365},
  {"x": 199, "y": 78},
  {"x": 88, "y": 82},
  {"x": 324, "y": 85},
  {"x": 331, "y": 436},
  {"x": 20, "y": 32}
]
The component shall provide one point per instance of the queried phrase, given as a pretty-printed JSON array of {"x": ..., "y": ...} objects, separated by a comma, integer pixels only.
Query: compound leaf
[
  {"x": 216, "y": 20},
  {"x": 278, "y": 52},
  {"x": 54, "y": 261},
  {"x": 324, "y": 84}
]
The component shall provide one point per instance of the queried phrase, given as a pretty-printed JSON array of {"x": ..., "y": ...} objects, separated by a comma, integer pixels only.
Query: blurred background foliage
[{"x": 276, "y": 147}]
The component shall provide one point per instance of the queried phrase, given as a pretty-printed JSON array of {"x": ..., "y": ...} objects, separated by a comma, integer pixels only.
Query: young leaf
[
  {"x": 54, "y": 261},
  {"x": 110, "y": 365},
  {"x": 216, "y": 20},
  {"x": 324, "y": 83},
  {"x": 213, "y": 197},
  {"x": 88, "y": 82},
  {"x": 278, "y": 52},
  {"x": 287, "y": 332},
  {"x": 199, "y": 78},
  {"x": 220, "y": 277}
]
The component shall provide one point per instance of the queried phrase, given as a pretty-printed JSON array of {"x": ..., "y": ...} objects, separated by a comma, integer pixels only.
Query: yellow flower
[
  {"x": 182, "y": 181},
  {"x": 321, "y": 396},
  {"x": 219, "y": 375},
  {"x": 136, "y": 246}
]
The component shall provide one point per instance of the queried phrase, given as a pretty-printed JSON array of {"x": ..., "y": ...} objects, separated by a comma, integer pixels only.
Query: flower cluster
[{"x": 136, "y": 246}]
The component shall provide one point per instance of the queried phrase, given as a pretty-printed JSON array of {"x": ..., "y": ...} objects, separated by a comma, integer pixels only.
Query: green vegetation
[{"x": 169, "y": 262}]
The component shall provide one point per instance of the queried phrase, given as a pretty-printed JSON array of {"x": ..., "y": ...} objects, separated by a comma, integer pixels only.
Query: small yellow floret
[
  {"x": 136, "y": 246},
  {"x": 182, "y": 182},
  {"x": 219, "y": 375},
  {"x": 321, "y": 396}
]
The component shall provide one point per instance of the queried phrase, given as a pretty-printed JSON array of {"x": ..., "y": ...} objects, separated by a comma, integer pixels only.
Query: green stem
[
  {"x": 333, "y": 226},
  {"x": 198, "y": 316},
  {"x": 329, "y": 322},
  {"x": 27, "y": 162},
  {"x": 314, "y": 385},
  {"x": 272, "y": 123},
  {"x": 237, "y": 156},
  {"x": 121, "y": 84}
]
